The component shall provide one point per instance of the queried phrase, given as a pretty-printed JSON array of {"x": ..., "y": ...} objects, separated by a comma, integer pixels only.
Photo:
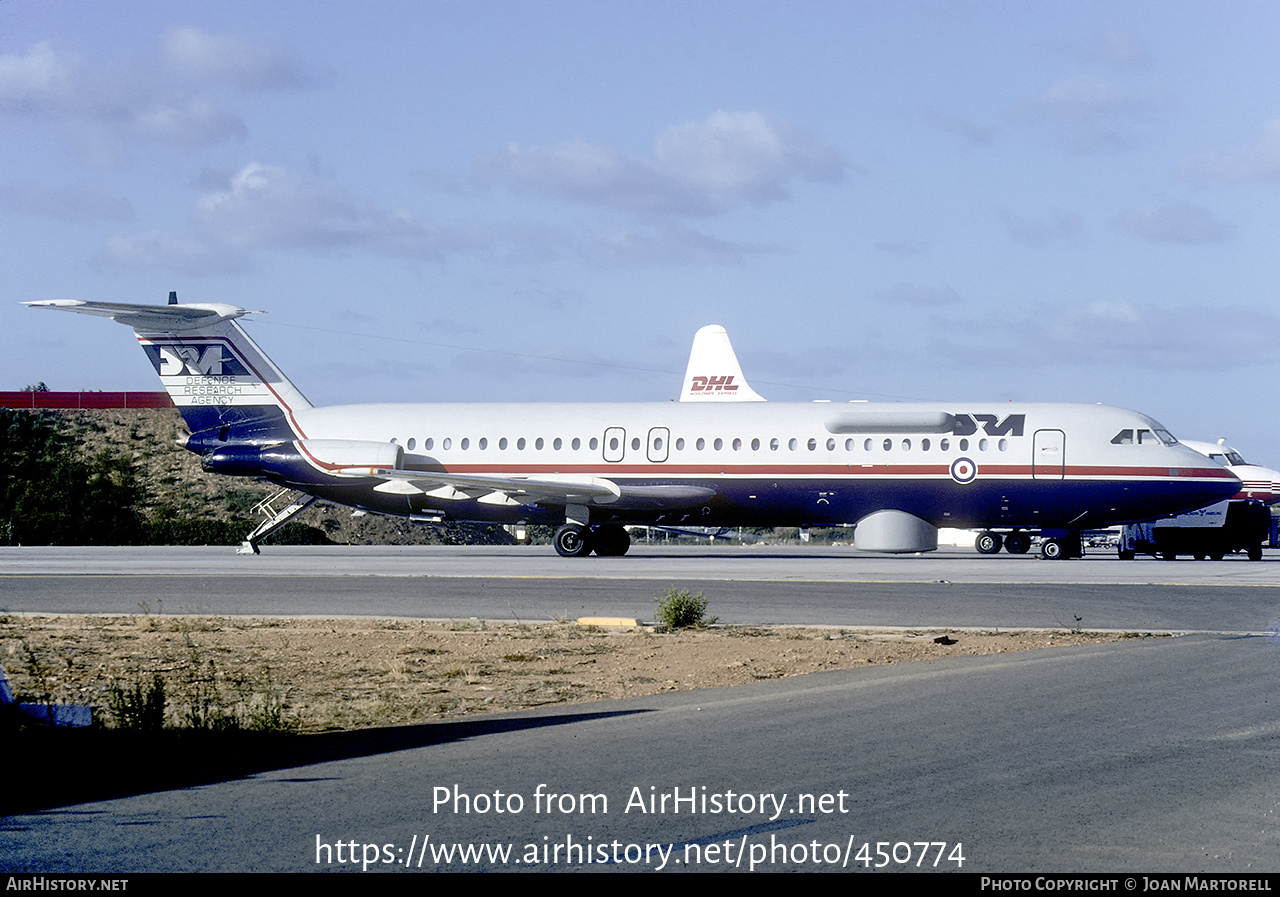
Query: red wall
[{"x": 85, "y": 400}]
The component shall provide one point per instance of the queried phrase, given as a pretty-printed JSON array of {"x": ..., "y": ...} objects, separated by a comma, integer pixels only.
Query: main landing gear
[
  {"x": 1016, "y": 542},
  {"x": 1019, "y": 542},
  {"x": 1068, "y": 546},
  {"x": 573, "y": 540}
]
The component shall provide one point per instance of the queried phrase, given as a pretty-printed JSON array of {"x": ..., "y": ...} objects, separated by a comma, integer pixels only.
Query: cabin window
[
  {"x": 944, "y": 445},
  {"x": 831, "y": 445},
  {"x": 755, "y": 445},
  {"x": 1003, "y": 445},
  {"x": 576, "y": 444},
  {"x": 520, "y": 443},
  {"x": 700, "y": 444},
  {"x": 428, "y": 444},
  {"x": 888, "y": 445},
  {"x": 593, "y": 444},
  {"x": 502, "y": 443},
  {"x": 718, "y": 445},
  {"x": 924, "y": 445},
  {"x": 737, "y": 445},
  {"x": 774, "y": 444},
  {"x": 866, "y": 445},
  {"x": 635, "y": 444},
  {"x": 906, "y": 445},
  {"x": 848, "y": 444},
  {"x": 411, "y": 444},
  {"x": 964, "y": 445},
  {"x": 680, "y": 444},
  {"x": 982, "y": 445},
  {"x": 483, "y": 443},
  {"x": 613, "y": 444}
]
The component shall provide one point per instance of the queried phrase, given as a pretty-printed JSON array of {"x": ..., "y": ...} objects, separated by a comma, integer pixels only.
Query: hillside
[{"x": 174, "y": 487}]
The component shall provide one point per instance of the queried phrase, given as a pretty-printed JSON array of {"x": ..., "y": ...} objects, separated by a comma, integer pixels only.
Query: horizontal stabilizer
[{"x": 150, "y": 318}]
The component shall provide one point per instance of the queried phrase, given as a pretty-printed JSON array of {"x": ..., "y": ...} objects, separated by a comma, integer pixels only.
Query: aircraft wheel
[
  {"x": 1255, "y": 552},
  {"x": 1199, "y": 555},
  {"x": 1017, "y": 543},
  {"x": 1215, "y": 555},
  {"x": 1126, "y": 554},
  {"x": 611, "y": 540},
  {"x": 571, "y": 541},
  {"x": 1169, "y": 555},
  {"x": 1052, "y": 549},
  {"x": 988, "y": 542}
]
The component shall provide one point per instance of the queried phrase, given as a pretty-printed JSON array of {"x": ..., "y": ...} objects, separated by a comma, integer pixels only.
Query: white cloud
[
  {"x": 1256, "y": 161},
  {"x": 72, "y": 204},
  {"x": 1058, "y": 226},
  {"x": 924, "y": 297},
  {"x": 1091, "y": 114},
  {"x": 1112, "y": 335},
  {"x": 158, "y": 249},
  {"x": 697, "y": 168},
  {"x": 194, "y": 121},
  {"x": 267, "y": 207},
  {"x": 248, "y": 65},
  {"x": 263, "y": 207},
  {"x": 41, "y": 82},
  {"x": 1176, "y": 223},
  {"x": 1114, "y": 47},
  {"x": 46, "y": 84}
]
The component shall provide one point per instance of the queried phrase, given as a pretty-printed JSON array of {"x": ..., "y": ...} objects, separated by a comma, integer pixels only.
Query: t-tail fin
[
  {"x": 225, "y": 387},
  {"x": 713, "y": 374}
]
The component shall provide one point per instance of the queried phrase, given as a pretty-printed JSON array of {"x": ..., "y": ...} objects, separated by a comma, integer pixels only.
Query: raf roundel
[{"x": 963, "y": 470}]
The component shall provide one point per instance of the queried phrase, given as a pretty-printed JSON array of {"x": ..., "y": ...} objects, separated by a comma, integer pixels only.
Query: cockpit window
[
  {"x": 1234, "y": 458},
  {"x": 1143, "y": 437}
]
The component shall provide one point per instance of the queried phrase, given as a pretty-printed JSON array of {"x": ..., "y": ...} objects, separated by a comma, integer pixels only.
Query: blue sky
[{"x": 522, "y": 201}]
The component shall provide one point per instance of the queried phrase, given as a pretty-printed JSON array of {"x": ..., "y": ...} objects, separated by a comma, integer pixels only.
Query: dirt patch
[{"x": 321, "y": 675}]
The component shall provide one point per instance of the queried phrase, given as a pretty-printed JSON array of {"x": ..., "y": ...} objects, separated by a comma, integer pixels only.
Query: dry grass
[{"x": 353, "y": 674}]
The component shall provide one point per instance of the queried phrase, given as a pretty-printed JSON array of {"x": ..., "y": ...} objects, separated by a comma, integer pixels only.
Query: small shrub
[
  {"x": 138, "y": 709},
  {"x": 681, "y": 610}
]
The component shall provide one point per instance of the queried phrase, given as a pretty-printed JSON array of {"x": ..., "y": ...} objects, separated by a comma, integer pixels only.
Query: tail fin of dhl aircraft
[
  {"x": 225, "y": 387},
  {"x": 713, "y": 374}
]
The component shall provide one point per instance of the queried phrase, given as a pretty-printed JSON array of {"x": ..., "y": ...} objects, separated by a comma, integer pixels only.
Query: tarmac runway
[
  {"x": 1137, "y": 756},
  {"x": 777, "y": 586}
]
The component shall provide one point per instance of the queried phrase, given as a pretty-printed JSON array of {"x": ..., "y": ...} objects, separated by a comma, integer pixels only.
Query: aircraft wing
[{"x": 548, "y": 489}]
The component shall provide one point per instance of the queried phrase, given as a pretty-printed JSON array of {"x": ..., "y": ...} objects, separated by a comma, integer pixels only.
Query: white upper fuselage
[{"x": 960, "y": 463}]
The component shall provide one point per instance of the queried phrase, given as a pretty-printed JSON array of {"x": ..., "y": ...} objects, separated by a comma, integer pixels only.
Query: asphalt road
[
  {"x": 1138, "y": 756},
  {"x": 827, "y": 586}
]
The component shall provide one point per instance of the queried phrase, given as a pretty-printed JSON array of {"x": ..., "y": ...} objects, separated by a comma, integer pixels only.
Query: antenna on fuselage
[{"x": 173, "y": 297}]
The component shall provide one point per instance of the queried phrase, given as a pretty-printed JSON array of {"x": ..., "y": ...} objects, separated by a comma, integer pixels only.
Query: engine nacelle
[
  {"x": 896, "y": 532},
  {"x": 291, "y": 459},
  {"x": 352, "y": 456}
]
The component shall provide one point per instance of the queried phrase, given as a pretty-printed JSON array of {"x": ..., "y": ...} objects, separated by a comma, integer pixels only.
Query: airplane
[
  {"x": 1258, "y": 483},
  {"x": 896, "y": 470},
  {"x": 1240, "y": 523}
]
